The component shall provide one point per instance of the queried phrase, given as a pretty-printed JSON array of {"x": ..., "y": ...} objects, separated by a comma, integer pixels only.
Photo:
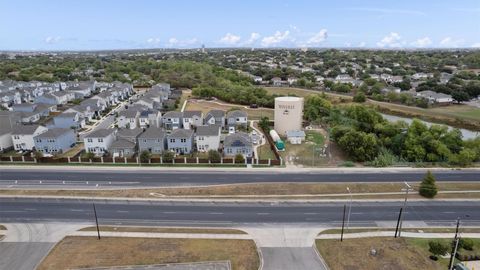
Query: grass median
[
  {"x": 266, "y": 190},
  {"x": 163, "y": 230},
  {"x": 82, "y": 252}
]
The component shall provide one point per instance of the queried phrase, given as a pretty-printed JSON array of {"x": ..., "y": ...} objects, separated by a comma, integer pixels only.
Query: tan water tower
[{"x": 288, "y": 114}]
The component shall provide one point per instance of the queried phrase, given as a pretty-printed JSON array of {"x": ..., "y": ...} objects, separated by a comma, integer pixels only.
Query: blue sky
[{"x": 122, "y": 24}]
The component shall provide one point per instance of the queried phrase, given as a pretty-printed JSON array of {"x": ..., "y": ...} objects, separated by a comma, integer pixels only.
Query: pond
[{"x": 467, "y": 134}]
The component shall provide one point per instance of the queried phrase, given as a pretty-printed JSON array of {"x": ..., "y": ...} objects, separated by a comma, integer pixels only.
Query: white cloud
[
  {"x": 362, "y": 44},
  {"x": 230, "y": 39},
  {"x": 476, "y": 45},
  {"x": 276, "y": 39},
  {"x": 253, "y": 38},
  {"x": 318, "y": 38},
  {"x": 422, "y": 42},
  {"x": 153, "y": 40},
  {"x": 172, "y": 41},
  {"x": 449, "y": 42},
  {"x": 51, "y": 40},
  {"x": 391, "y": 40}
]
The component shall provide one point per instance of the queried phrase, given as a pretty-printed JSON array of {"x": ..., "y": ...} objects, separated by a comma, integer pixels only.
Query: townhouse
[
  {"x": 180, "y": 141},
  {"x": 99, "y": 141},
  {"x": 152, "y": 140},
  {"x": 207, "y": 138},
  {"x": 55, "y": 141},
  {"x": 22, "y": 136}
]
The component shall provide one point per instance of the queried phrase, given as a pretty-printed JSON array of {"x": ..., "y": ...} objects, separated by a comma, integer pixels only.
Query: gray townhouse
[
  {"x": 180, "y": 141},
  {"x": 237, "y": 118},
  {"x": 150, "y": 118},
  {"x": 215, "y": 117},
  {"x": 22, "y": 136},
  {"x": 172, "y": 120},
  {"x": 99, "y": 141},
  {"x": 207, "y": 138},
  {"x": 152, "y": 140},
  {"x": 69, "y": 120},
  {"x": 192, "y": 119},
  {"x": 238, "y": 143},
  {"x": 55, "y": 141},
  {"x": 126, "y": 143},
  {"x": 81, "y": 89},
  {"x": 128, "y": 118}
]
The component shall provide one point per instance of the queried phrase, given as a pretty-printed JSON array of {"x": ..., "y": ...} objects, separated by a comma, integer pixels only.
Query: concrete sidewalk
[{"x": 162, "y": 235}]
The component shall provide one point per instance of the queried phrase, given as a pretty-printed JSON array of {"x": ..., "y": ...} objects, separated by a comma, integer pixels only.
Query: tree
[
  {"x": 460, "y": 96},
  {"x": 316, "y": 107},
  {"x": 428, "y": 187},
  {"x": 167, "y": 156},
  {"x": 360, "y": 146},
  {"x": 37, "y": 154},
  {"x": 145, "y": 156},
  {"x": 214, "y": 156},
  {"x": 359, "y": 97},
  {"x": 89, "y": 155},
  {"x": 437, "y": 248},
  {"x": 264, "y": 124},
  {"x": 239, "y": 159},
  {"x": 466, "y": 243}
]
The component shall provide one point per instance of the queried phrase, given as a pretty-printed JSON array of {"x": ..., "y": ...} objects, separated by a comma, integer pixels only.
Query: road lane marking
[{"x": 263, "y": 214}]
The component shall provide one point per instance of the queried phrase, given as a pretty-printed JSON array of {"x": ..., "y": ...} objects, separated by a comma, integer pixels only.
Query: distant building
[{"x": 434, "y": 97}]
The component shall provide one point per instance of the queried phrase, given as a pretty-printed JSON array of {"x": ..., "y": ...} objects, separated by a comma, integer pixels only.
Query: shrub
[
  {"x": 428, "y": 188},
  {"x": 359, "y": 97},
  {"x": 239, "y": 158},
  {"x": 88, "y": 155},
  {"x": 437, "y": 248},
  {"x": 466, "y": 243},
  {"x": 168, "y": 156},
  {"x": 214, "y": 156},
  {"x": 37, "y": 154},
  {"x": 145, "y": 156}
]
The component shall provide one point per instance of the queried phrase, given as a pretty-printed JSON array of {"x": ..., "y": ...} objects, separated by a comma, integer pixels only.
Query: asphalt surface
[
  {"x": 178, "y": 213},
  {"x": 290, "y": 258},
  {"x": 143, "y": 177}
]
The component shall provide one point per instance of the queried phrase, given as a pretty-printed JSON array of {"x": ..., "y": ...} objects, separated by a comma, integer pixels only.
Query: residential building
[
  {"x": 238, "y": 143},
  {"x": 434, "y": 97},
  {"x": 22, "y": 136},
  {"x": 129, "y": 134},
  {"x": 55, "y": 141},
  {"x": 237, "y": 118},
  {"x": 192, "y": 119},
  {"x": 172, "y": 120},
  {"x": 150, "y": 118},
  {"x": 7, "y": 122},
  {"x": 152, "y": 140},
  {"x": 128, "y": 119},
  {"x": 122, "y": 148},
  {"x": 69, "y": 120},
  {"x": 99, "y": 141},
  {"x": 215, "y": 117},
  {"x": 208, "y": 138},
  {"x": 180, "y": 141}
]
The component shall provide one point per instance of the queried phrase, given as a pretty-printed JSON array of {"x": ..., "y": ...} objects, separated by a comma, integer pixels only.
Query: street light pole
[
  {"x": 454, "y": 248},
  {"x": 349, "y": 208},
  {"x": 96, "y": 221},
  {"x": 408, "y": 187}
]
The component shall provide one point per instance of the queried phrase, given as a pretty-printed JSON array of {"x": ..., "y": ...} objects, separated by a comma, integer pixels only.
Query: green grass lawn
[{"x": 315, "y": 137}]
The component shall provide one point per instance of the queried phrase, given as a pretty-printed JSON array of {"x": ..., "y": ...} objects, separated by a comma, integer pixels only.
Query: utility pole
[
  {"x": 407, "y": 189},
  {"x": 454, "y": 247},
  {"x": 349, "y": 208},
  {"x": 398, "y": 221},
  {"x": 343, "y": 222},
  {"x": 96, "y": 221}
]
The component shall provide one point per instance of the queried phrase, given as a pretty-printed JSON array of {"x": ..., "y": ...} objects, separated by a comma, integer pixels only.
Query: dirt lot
[
  {"x": 83, "y": 252},
  {"x": 392, "y": 254},
  {"x": 205, "y": 106}
]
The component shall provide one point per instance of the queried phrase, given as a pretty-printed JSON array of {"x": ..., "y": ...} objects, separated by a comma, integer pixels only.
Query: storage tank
[
  {"x": 278, "y": 141},
  {"x": 288, "y": 114}
]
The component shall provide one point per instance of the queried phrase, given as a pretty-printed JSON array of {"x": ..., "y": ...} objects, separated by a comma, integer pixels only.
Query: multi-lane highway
[
  {"x": 154, "y": 213},
  {"x": 145, "y": 177}
]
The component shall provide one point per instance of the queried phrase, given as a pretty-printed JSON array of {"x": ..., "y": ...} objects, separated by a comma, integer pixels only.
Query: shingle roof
[
  {"x": 217, "y": 113},
  {"x": 237, "y": 139},
  {"x": 128, "y": 113},
  {"x": 54, "y": 132},
  {"x": 153, "y": 133},
  {"x": 181, "y": 133},
  {"x": 173, "y": 114},
  {"x": 24, "y": 129},
  {"x": 122, "y": 144},
  {"x": 236, "y": 113},
  {"x": 295, "y": 133},
  {"x": 210, "y": 130},
  {"x": 190, "y": 114},
  {"x": 126, "y": 132},
  {"x": 100, "y": 133}
]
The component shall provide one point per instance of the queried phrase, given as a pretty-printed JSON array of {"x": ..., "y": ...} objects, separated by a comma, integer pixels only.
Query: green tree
[
  {"x": 145, "y": 156},
  {"x": 360, "y": 146},
  {"x": 264, "y": 124},
  {"x": 214, "y": 156},
  {"x": 239, "y": 159},
  {"x": 359, "y": 97},
  {"x": 437, "y": 248},
  {"x": 428, "y": 187},
  {"x": 168, "y": 156},
  {"x": 466, "y": 243},
  {"x": 316, "y": 107}
]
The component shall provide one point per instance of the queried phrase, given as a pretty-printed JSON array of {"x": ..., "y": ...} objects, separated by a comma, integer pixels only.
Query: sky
[{"x": 133, "y": 24}]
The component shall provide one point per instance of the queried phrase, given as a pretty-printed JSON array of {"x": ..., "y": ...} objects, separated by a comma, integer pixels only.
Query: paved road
[
  {"x": 144, "y": 177},
  {"x": 177, "y": 213}
]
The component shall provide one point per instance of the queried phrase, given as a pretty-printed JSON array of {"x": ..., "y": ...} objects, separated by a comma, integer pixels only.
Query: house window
[
  {"x": 172, "y": 140},
  {"x": 183, "y": 140},
  {"x": 16, "y": 137},
  {"x": 100, "y": 140},
  {"x": 89, "y": 140}
]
